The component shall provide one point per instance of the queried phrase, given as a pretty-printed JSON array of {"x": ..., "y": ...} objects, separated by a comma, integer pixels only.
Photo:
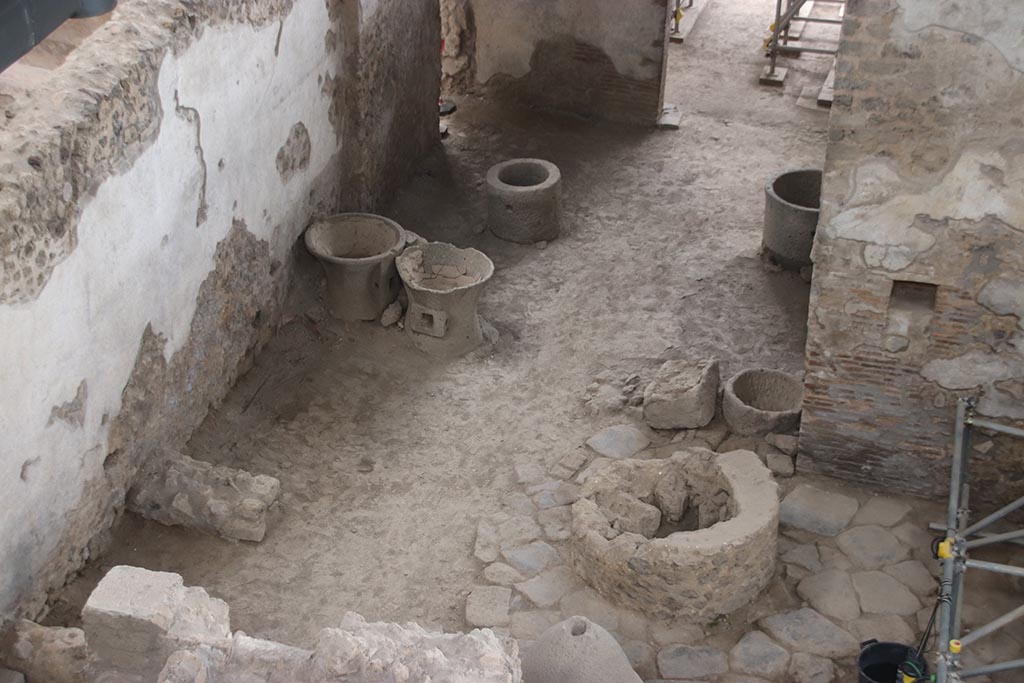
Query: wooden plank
[{"x": 826, "y": 92}]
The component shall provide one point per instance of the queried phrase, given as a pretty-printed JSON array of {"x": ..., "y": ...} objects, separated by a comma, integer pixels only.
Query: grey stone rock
[
  {"x": 530, "y": 473},
  {"x": 47, "y": 653},
  {"x": 780, "y": 464},
  {"x": 683, "y": 395},
  {"x": 9, "y": 676},
  {"x": 548, "y": 587},
  {"x": 519, "y": 504},
  {"x": 831, "y": 593},
  {"x": 391, "y": 315},
  {"x": 641, "y": 656},
  {"x": 871, "y": 547},
  {"x": 806, "y": 668},
  {"x": 576, "y": 651},
  {"x": 830, "y": 557},
  {"x": 757, "y": 654},
  {"x": 879, "y": 593},
  {"x": 685, "y": 661},
  {"x": 881, "y": 511},
  {"x": 821, "y": 512},
  {"x": 806, "y": 630},
  {"x": 915, "y": 576},
  {"x": 556, "y": 522},
  {"x": 620, "y": 441},
  {"x": 805, "y": 556},
  {"x": 886, "y": 628},
  {"x": 787, "y": 443},
  {"x": 488, "y": 606},
  {"x": 563, "y": 494},
  {"x": 532, "y": 558},
  {"x": 501, "y": 574}
]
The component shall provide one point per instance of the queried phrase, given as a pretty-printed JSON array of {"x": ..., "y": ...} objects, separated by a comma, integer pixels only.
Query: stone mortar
[
  {"x": 524, "y": 200},
  {"x": 695, "y": 575},
  {"x": 759, "y": 401}
]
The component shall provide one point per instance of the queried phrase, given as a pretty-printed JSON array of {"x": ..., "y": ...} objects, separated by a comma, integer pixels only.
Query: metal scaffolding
[
  {"x": 962, "y": 537},
  {"x": 783, "y": 33}
]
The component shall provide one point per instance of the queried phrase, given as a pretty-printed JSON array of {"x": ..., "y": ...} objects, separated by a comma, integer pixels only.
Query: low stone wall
[{"x": 152, "y": 189}]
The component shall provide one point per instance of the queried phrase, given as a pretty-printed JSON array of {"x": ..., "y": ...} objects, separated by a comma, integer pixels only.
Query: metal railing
[{"x": 780, "y": 40}]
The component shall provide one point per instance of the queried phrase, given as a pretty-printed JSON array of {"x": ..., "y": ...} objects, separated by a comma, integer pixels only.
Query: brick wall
[{"x": 918, "y": 292}]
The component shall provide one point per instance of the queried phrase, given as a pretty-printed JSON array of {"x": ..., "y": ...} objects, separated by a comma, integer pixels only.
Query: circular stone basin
[
  {"x": 792, "y": 202},
  {"x": 524, "y": 200},
  {"x": 760, "y": 401},
  {"x": 693, "y": 536}
]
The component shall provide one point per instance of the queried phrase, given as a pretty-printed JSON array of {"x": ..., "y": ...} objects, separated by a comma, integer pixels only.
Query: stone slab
[{"x": 821, "y": 512}]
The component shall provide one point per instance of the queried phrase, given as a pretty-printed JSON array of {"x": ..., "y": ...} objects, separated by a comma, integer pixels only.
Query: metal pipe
[
  {"x": 996, "y": 427},
  {"x": 935, "y": 526},
  {"x": 994, "y": 517},
  {"x": 946, "y": 618},
  {"x": 993, "y": 668},
  {"x": 818, "y": 50},
  {"x": 774, "y": 43},
  {"x": 995, "y": 567},
  {"x": 817, "y": 20},
  {"x": 992, "y": 626},
  {"x": 989, "y": 539}
]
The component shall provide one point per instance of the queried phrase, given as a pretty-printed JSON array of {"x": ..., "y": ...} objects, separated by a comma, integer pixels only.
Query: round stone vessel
[
  {"x": 444, "y": 284},
  {"x": 357, "y": 252},
  {"x": 791, "y": 204},
  {"x": 758, "y": 401},
  {"x": 524, "y": 200},
  {"x": 692, "y": 536}
]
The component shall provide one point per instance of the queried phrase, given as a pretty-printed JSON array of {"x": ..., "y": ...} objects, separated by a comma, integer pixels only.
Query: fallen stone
[
  {"x": 683, "y": 395},
  {"x": 556, "y": 522},
  {"x": 588, "y": 603},
  {"x": 532, "y": 558},
  {"x": 780, "y": 464},
  {"x": 881, "y": 511},
  {"x": 577, "y": 651},
  {"x": 787, "y": 443},
  {"x": 806, "y": 630},
  {"x": 822, "y": 512},
  {"x": 488, "y": 606},
  {"x": 757, "y": 654},
  {"x": 831, "y": 593},
  {"x": 915, "y": 576},
  {"x": 184, "y": 666},
  {"x": 805, "y": 556},
  {"x": 519, "y": 504},
  {"x": 628, "y": 514},
  {"x": 879, "y": 593},
  {"x": 563, "y": 494},
  {"x": 887, "y": 628},
  {"x": 641, "y": 657},
  {"x": 685, "y": 661},
  {"x": 668, "y": 633},
  {"x": 135, "y": 619},
  {"x": 501, "y": 574},
  {"x": 871, "y": 547},
  {"x": 548, "y": 587},
  {"x": 48, "y": 653},
  {"x": 391, "y": 315},
  {"x": 620, "y": 441},
  {"x": 805, "y": 668},
  {"x": 531, "y": 624},
  {"x": 8, "y": 676},
  {"x": 176, "y": 490}
]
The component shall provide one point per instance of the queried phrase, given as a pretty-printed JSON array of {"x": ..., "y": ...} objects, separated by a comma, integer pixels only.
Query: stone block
[
  {"x": 176, "y": 490},
  {"x": 620, "y": 441},
  {"x": 820, "y": 512},
  {"x": 757, "y": 654},
  {"x": 683, "y": 395},
  {"x": 685, "y": 661},
  {"x": 806, "y": 630},
  {"x": 47, "y": 653},
  {"x": 488, "y": 606},
  {"x": 135, "y": 619},
  {"x": 871, "y": 547}
]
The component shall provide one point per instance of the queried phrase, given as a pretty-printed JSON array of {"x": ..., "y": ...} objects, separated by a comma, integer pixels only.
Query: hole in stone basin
[
  {"x": 802, "y": 188},
  {"x": 579, "y": 628},
  {"x": 353, "y": 238},
  {"x": 523, "y": 174},
  {"x": 689, "y": 522},
  {"x": 768, "y": 391}
]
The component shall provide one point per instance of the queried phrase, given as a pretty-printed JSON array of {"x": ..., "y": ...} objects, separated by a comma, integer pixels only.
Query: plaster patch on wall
[
  {"x": 72, "y": 412},
  {"x": 979, "y": 18},
  {"x": 978, "y": 369},
  {"x": 294, "y": 153},
  {"x": 964, "y": 193}
]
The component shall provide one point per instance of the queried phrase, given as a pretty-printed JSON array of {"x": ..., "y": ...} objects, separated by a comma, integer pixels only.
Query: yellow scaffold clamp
[
  {"x": 945, "y": 550},
  {"x": 955, "y": 646}
]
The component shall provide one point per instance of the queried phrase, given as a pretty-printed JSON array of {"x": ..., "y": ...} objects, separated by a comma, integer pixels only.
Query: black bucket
[{"x": 881, "y": 662}]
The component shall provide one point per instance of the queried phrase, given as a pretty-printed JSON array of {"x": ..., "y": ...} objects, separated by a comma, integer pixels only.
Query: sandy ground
[{"x": 387, "y": 459}]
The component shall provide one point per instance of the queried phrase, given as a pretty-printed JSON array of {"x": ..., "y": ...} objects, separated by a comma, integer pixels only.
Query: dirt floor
[{"x": 388, "y": 459}]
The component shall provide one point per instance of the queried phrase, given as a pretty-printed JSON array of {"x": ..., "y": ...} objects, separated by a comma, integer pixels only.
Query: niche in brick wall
[{"x": 911, "y": 308}]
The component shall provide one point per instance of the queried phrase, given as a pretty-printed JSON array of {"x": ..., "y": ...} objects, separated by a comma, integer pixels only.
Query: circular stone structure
[
  {"x": 759, "y": 401},
  {"x": 444, "y": 284},
  {"x": 692, "y": 536},
  {"x": 357, "y": 252},
  {"x": 791, "y": 204},
  {"x": 524, "y": 200}
]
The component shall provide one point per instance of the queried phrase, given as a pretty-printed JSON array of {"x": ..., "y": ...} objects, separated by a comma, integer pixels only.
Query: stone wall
[
  {"x": 918, "y": 292},
  {"x": 601, "y": 59},
  {"x": 153, "y": 186}
]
